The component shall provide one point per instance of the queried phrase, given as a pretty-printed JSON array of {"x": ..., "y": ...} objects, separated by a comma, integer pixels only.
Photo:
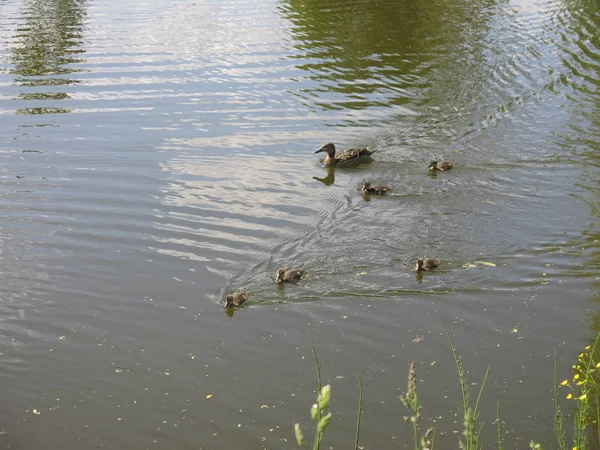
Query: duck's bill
[{"x": 319, "y": 151}]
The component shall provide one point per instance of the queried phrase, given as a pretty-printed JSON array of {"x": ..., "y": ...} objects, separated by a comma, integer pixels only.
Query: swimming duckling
[
  {"x": 289, "y": 276},
  {"x": 377, "y": 190},
  {"x": 346, "y": 158},
  {"x": 426, "y": 265},
  {"x": 235, "y": 299},
  {"x": 440, "y": 166}
]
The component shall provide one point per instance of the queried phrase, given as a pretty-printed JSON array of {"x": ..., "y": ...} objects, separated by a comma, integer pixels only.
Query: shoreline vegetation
[{"x": 579, "y": 430}]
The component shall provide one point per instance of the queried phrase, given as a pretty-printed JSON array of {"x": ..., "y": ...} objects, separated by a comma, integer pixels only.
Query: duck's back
[
  {"x": 353, "y": 156},
  {"x": 294, "y": 275}
]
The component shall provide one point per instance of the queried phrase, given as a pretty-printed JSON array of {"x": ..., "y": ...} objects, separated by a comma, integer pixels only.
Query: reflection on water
[
  {"x": 40, "y": 53},
  {"x": 175, "y": 164},
  {"x": 46, "y": 46},
  {"x": 47, "y": 110},
  {"x": 50, "y": 35},
  {"x": 386, "y": 54},
  {"x": 329, "y": 179}
]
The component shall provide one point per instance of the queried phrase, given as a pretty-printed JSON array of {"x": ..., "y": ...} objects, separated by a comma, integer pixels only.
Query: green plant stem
[
  {"x": 461, "y": 374},
  {"x": 589, "y": 376},
  {"x": 597, "y": 418},
  {"x": 475, "y": 413},
  {"x": 500, "y": 440},
  {"x": 359, "y": 414},
  {"x": 559, "y": 428},
  {"x": 314, "y": 350},
  {"x": 415, "y": 432}
]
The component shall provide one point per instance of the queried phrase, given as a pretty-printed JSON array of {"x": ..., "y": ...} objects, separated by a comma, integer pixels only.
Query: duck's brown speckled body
[
  {"x": 377, "y": 190},
  {"x": 440, "y": 166},
  {"x": 346, "y": 158},
  {"x": 236, "y": 299},
  {"x": 425, "y": 265},
  {"x": 289, "y": 276}
]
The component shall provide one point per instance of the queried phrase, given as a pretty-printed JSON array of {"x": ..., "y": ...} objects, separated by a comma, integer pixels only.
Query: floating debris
[{"x": 476, "y": 263}]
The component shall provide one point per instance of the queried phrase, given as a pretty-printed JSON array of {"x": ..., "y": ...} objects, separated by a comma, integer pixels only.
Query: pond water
[{"x": 159, "y": 155}]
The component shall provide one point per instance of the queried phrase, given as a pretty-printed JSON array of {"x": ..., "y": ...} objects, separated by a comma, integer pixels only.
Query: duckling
[
  {"x": 289, "y": 276},
  {"x": 346, "y": 158},
  {"x": 426, "y": 264},
  {"x": 440, "y": 166},
  {"x": 377, "y": 190},
  {"x": 235, "y": 299}
]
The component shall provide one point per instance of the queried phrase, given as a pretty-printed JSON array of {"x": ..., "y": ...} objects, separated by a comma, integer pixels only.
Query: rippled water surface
[{"x": 159, "y": 155}]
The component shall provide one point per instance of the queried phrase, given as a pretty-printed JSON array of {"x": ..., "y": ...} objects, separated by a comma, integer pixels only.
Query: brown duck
[
  {"x": 289, "y": 276},
  {"x": 425, "y": 265},
  {"x": 346, "y": 158},
  {"x": 377, "y": 190},
  {"x": 235, "y": 299},
  {"x": 440, "y": 166}
]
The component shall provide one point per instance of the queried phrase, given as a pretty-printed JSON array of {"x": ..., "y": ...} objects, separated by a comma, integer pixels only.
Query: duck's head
[
  {"x": 366, "y": 186},
  {"x": 432, "y": 165},
  {"x": 228, "y": 301},
  {"x": 328, "y": 148},
  {"x": 419, "y": 265},
  {"x": 280, "y": 274}
]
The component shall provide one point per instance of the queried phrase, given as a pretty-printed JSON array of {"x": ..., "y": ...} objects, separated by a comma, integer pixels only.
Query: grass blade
[
  {"x": 314, "y": 350},
  {"x": 499, "y": 422},
  {"x": 559, "y": 428},
  {"x": 359, "y": 414}
]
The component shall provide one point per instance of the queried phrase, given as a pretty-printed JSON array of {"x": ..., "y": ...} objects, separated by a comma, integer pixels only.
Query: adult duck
[{"x": 346, "y": 158}]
